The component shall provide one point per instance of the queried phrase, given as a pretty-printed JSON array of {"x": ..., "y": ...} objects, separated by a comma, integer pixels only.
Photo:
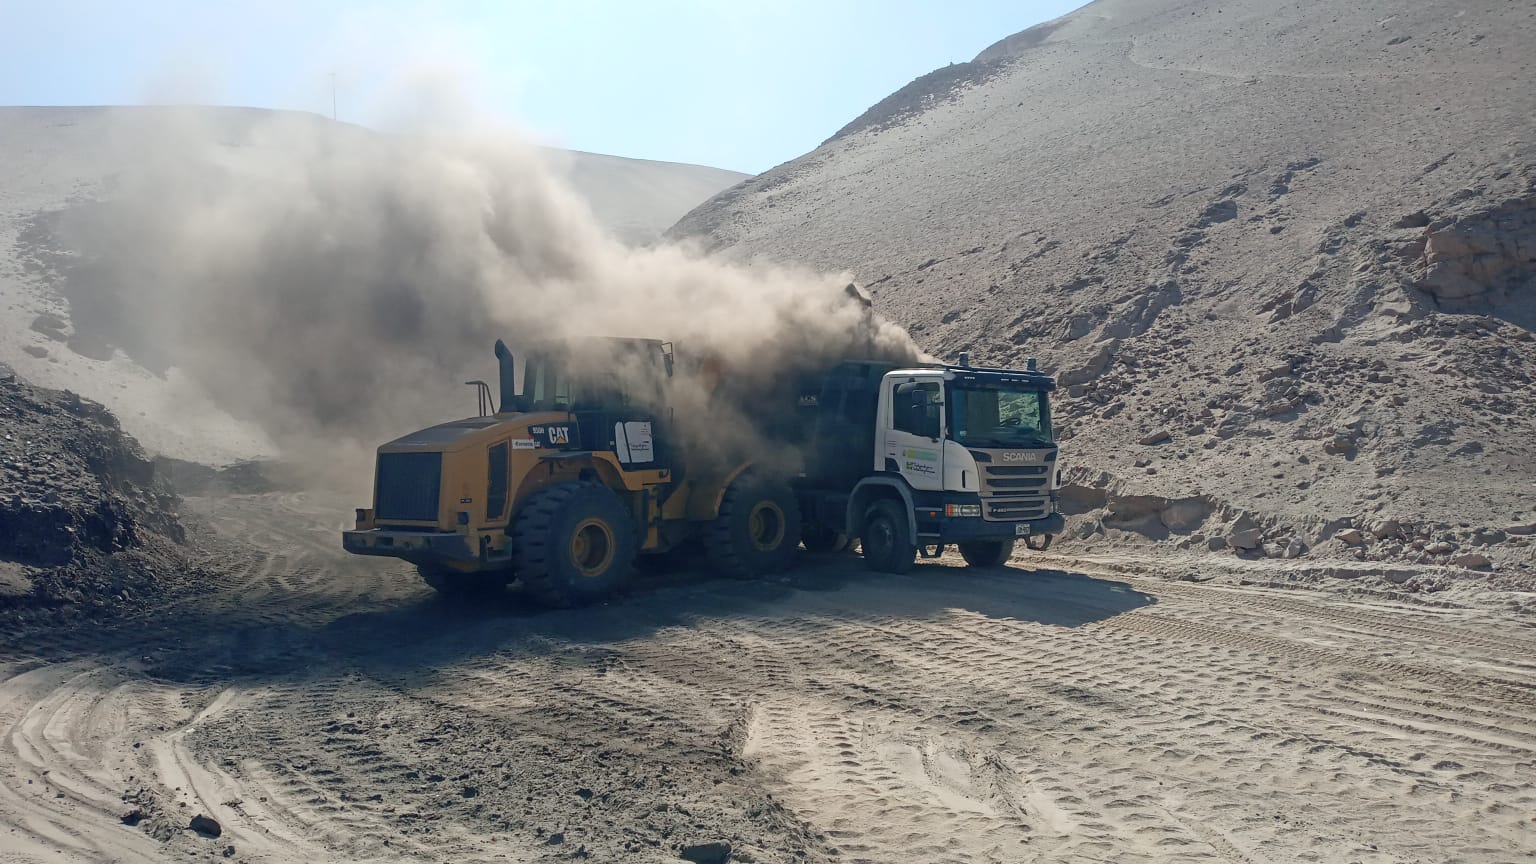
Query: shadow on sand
[{"x": 410, "y": 639}]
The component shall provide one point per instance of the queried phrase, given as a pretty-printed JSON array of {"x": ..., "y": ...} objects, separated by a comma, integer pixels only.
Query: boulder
[
  {"x": 1158, "y": 437},
  {"x": 1473, "y": 561},
  {"x": 1350, "y": 537},
  {"x": 205, "y": 826},
  {"x": 1386, "y": 528},
  {"x": 1245, "y": 538}
]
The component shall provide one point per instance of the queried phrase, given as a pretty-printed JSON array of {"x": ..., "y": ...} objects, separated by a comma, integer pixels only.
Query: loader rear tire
[
  {"x": 573, "y": 544},
  {"x": 886, "y": 541},
  {"x": 757, "y": 530},
  {"x": 456, "y": 586},
  {"x": 986, "y": 553}
]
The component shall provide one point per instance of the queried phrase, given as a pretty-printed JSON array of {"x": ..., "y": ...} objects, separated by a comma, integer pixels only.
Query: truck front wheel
[
  {"x": 887, "y": 542},
  {"x": 986, "y": 553}
]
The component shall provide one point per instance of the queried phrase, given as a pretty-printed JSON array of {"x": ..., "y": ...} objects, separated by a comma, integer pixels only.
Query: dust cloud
[{"x": 337, "y": 286}]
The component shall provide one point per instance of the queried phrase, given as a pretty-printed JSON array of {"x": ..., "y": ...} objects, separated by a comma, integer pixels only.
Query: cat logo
[{"x": 559, "y": 435}]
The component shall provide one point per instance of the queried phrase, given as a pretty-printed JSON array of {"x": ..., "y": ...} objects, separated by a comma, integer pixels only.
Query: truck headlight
[{"x": 962, "y": 510}]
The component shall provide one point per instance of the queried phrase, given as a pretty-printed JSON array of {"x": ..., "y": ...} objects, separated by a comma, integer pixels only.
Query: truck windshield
[{"x": 981, "y": 416}]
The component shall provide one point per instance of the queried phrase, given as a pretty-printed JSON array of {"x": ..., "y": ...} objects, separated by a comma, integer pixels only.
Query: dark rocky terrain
[
  {"x": 1281, "y": 256},
  {"x": 86, "y": 525}
]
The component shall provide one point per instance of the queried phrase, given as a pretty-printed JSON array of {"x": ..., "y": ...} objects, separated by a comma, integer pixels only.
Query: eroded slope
[{"x": 1280, "y": 255}]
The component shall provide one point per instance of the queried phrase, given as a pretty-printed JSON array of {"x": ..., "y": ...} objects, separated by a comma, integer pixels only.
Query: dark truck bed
[{"x": 834, "y": 430}]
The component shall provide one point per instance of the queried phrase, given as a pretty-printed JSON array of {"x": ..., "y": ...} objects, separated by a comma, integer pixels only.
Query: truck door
[{"x": 914, "y": 432}]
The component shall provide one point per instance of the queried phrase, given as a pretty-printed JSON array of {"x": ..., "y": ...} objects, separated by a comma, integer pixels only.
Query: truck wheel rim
[
  {"x": 592, "y": 547},
  {"x": 765, "y": 526},
  {"x": 882, "y": 536}
]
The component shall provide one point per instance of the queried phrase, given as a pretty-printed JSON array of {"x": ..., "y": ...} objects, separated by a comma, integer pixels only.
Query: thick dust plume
[{"x": 338, "y": 286}]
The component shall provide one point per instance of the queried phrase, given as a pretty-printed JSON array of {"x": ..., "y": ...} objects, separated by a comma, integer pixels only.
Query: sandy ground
[{"x": 325, "y": 708}]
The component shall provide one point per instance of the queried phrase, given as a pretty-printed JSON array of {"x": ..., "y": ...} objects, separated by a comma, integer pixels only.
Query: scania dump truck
[
  {"x": 584, "y": 465},
  {"x": 910, "y": 460}
]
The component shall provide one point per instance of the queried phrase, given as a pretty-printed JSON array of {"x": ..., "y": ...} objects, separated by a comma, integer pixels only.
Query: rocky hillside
[
  {"x": 85, "y": 523},
  {"x": 1282, "y": 257}
]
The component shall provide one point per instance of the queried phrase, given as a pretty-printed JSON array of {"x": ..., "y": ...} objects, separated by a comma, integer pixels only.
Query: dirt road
[{"x": 322, "y": 708}]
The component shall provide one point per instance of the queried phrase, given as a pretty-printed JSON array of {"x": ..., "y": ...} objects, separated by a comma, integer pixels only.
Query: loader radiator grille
[{"x": 408, "y": 485}]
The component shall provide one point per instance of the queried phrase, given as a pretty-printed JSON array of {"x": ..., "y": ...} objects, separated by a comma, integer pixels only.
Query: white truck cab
[{"x": 960, "y": 454}]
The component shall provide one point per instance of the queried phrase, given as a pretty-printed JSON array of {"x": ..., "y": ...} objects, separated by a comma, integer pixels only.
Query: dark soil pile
[{"x": 86, "y": 525}]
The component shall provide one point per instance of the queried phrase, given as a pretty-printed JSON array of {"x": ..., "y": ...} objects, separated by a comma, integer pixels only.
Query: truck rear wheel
[
  {"x": 574, "y": 544},
  {"x": 455, "y": 585},
  {"x": 888, "y": 546},
  {"x": 986, "y": 553},
  {"x": 757, "y": 530}
]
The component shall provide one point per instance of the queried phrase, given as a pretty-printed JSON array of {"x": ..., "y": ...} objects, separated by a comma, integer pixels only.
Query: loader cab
[{"x": 615, "y": 391}]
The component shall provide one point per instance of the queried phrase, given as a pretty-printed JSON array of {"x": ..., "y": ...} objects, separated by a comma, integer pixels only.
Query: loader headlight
[{"x": 962, "y": 510}]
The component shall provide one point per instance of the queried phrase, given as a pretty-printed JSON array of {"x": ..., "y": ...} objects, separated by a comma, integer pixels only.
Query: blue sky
[{"x": 742, "y": 85}]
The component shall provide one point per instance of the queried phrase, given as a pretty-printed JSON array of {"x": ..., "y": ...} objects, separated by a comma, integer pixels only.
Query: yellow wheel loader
[{"x": 560, "y": 486}]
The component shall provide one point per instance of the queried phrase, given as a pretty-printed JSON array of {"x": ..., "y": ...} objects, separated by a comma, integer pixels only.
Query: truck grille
[
  {"x": 1004, "y": 479},
  {"x": 1013, "y": 492},
  {"x": 407, "y": 487},
  {"x": 1019, "y": 510}
]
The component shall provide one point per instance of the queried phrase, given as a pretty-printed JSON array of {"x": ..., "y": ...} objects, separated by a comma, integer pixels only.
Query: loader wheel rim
[
  {"x": 765, "y": 526},
  {"x": 592, "y": 547}
]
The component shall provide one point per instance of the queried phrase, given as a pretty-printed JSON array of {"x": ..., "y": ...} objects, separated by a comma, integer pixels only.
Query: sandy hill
[
  {"x": 65, "y": 335},
  {"x": 637, "y": 199},
  {"x": 1281, "y": 255}
]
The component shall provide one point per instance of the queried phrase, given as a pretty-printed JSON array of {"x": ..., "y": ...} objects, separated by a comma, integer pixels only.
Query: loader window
[{"x": 496, "y": 485}]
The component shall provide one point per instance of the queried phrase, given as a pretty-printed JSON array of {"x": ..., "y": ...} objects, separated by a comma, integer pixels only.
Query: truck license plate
[{"x": 1021, "y": 530}]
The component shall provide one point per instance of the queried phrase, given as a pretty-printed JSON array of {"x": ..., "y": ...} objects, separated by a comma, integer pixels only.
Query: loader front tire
[
  {"x": 573, "y": 544},
  {"x": 757, "y": 530}
]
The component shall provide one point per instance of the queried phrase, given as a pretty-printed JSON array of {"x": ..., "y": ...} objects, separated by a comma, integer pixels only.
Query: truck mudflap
[{"x": 418, "y": 547}]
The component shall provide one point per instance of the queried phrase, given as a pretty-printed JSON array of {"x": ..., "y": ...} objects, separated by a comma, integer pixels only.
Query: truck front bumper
[
  {"x": 417, "y": 547},
  {"x": 955, "y": 530}
]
